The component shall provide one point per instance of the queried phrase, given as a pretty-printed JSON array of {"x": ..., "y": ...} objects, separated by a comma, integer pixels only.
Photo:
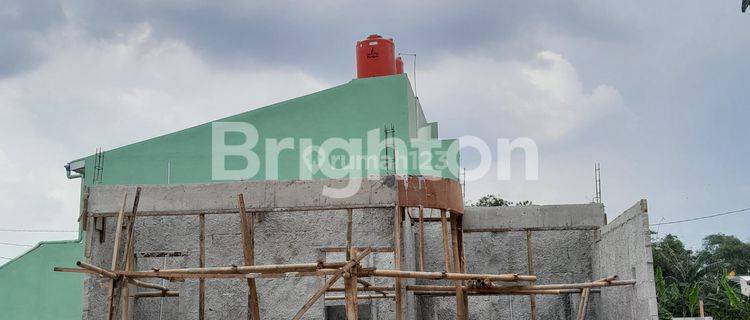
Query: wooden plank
[
  {"x": 421, "y": 238},
  {"x": 334, "y": 277},
  {"x": 115, "y": 257},
  {"x": 530, "y": 265},
  {"x": 350, "y": 293},
  {"x": 202, "y": 264},
  {"x": 248, "y": 248},
  {"x": 446, "y": 241},
  {"x": 397, "y": 219},
  {"x": 129, "y": 257}
]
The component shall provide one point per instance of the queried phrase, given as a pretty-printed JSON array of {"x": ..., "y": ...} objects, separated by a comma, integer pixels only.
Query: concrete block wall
[
  {"x": 495, "y": 242},
  {"x": 623, "y": 247},
  {"x": 280, "y": 237}
]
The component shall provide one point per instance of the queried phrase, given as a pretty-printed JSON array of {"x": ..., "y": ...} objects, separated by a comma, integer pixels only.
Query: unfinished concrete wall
[
  {"x": 495, "y": 242},
  {"x": 623, "y": 248},
  {"x": 280, "y": 237}
]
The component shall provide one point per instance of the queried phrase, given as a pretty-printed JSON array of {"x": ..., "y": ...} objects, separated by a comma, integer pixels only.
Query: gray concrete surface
[
  {"x": 570, "y": 243},
  {"x": 623, "y": 247}
]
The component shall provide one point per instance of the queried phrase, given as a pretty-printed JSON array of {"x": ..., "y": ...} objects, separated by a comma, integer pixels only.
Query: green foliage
[
  {"x": 683, "y": 277},
  {"x": 492, "y": 200}
]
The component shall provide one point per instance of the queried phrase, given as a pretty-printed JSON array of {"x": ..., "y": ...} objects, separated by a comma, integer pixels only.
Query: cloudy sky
[{"x": 653, "y": 90}]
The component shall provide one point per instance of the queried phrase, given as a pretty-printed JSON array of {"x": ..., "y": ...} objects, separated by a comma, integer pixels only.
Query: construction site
[{"x": 166, "y": 237}]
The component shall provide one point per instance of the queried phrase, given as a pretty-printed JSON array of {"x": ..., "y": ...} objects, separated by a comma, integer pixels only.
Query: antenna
[
  {"x": 414, "y": 67},
  {"x": 598, "y": 182}
]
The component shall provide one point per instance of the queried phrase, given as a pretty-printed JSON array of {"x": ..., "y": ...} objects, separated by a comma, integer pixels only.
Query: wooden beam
[
  {"x": 530, "y": 265},
  {"x": 363, "y": 297},
  {"x": 129, "y": 257},
  {"x": 397, "y": 220},
  {"x": 392, "y": 273},
  {"x": 461, "y": 306},
  {"x": 248, "y": 248},
  {"x": 421, "y": 238},
  {"x": 100, "y": 271},
  {"x": 154, "y": 294},
  {"x": 115, "y": 257},
  {"x": 350, "y": 294},
  {"x": 348, "y": 234},
  {"x": 583, "y": 304},
  {"x": 335, "y": 277},
  {"x": 202, "y": 264},
  {"x": 446, "y": 241}
]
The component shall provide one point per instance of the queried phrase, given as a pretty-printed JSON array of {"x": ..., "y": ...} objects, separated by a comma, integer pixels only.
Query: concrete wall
[
  {"x": 280, "y": 237},
  {"x": 623, "y": 248},
  {"x": 495, "y": 242}
]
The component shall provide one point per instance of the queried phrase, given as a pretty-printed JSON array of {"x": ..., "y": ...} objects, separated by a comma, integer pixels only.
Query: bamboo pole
[
  {"x": 115, "y": 258},
  {"x": 248, "y": 248},
  {"x": 461, "y": 301},
  {"x": 379, "y": 289},
  {"x": 103, "y": 272},
  {"x": 563, "y": 286},
  {"x": 392, "y": 273},
  {"x": 583, "y": 305},
  {"x": 397, "y": 220},
  {"x": 202, "y": 264},
  {"x": 268, "y": 268},
  {"x": 350, "y": 293},
  {"x": 507, "y": 293},
  {"x": 446, "y": 244},
  {"x": 530, "y": 265},
  {"x": 129, "y": 256},
  {"x": 348, "y": 234},
  {"x": 335, "y": 277},
  {"x": 209, "y": 275},
  {"x": 421, "y": 238},
  {"x": 144, "y": 284},
  {"x": 154, "y": 294},
  {"x": 371, "y": 296}
]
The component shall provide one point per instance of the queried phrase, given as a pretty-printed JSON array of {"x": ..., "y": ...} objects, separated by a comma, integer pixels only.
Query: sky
[{"x": 653, "y": 90}]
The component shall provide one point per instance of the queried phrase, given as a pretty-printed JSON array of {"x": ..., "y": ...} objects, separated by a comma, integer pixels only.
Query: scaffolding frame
[{"x": 350, "y": 270}]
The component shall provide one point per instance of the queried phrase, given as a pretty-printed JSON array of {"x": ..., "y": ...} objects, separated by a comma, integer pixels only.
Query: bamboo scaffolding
[
  {"x": 350, "y": 286},
  {"x": 98, "y": 270},
  {"x": 379, "y": 289},
  {"x": 154, "y": 294},
  {"x": 390, "y": 273},
  {"x": 397, "y": 221},
  {"x": 335, "y": 277},
  {"x": 446, "y": 241},
  {"x": 388, "y": 296},
  {"x": 530, "y": 265},
  {"x": 508, "y": 293},
  {"x": 129, "y": 256},
  {"x": 583, "y": 304},
  {"x": 505, "y": 289},
  {"x": 421, "y": 238},
  {"x": 144, "y": 284},
  {"x": 248, "y": 248},
  {"x": 115, "y": 258}
]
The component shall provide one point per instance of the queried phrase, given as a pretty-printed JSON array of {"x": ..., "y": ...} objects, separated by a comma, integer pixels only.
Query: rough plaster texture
[
  {"x": 280, "y": 237},
  {"x": 562, "y": 254},
  {"x": 567, "y": 243},
  {"x": 623, "y": 247}
]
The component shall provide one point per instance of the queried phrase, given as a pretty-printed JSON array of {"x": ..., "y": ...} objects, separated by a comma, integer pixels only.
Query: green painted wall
[
  {"x": 347, "y": 111},
  {"x": 29, "y": 289}
]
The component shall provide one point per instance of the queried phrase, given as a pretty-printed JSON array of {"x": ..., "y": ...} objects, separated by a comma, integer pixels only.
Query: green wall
[
  {"x": 348, "y": 111},
  {"x": 29, "y": 289}
]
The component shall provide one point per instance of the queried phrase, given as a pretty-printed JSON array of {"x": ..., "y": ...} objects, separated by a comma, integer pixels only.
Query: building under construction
[{"x": 169, "y": 238}]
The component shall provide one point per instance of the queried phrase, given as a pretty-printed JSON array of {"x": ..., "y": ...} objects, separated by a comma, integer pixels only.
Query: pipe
[{"x": 68, "y": 173}]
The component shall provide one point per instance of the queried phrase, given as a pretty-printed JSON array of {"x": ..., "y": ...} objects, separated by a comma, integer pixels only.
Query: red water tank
[
  {"x": 376, "y": 57},
  {"x": 399, "y": 66}
]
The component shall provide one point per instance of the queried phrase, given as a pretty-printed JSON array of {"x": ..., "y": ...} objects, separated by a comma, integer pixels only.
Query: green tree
[{"x": 492, "y": 200}]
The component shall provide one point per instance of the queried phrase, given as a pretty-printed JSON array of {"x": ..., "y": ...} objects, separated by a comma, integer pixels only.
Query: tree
[{"x": 492, "y": 200}]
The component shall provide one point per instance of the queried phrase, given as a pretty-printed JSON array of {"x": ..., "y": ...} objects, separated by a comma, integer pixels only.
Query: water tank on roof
[{"x": 376, "y": 56}]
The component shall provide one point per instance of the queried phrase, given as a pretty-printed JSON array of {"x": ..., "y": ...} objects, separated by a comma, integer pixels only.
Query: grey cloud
[{"x": 22, "y": 24}]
